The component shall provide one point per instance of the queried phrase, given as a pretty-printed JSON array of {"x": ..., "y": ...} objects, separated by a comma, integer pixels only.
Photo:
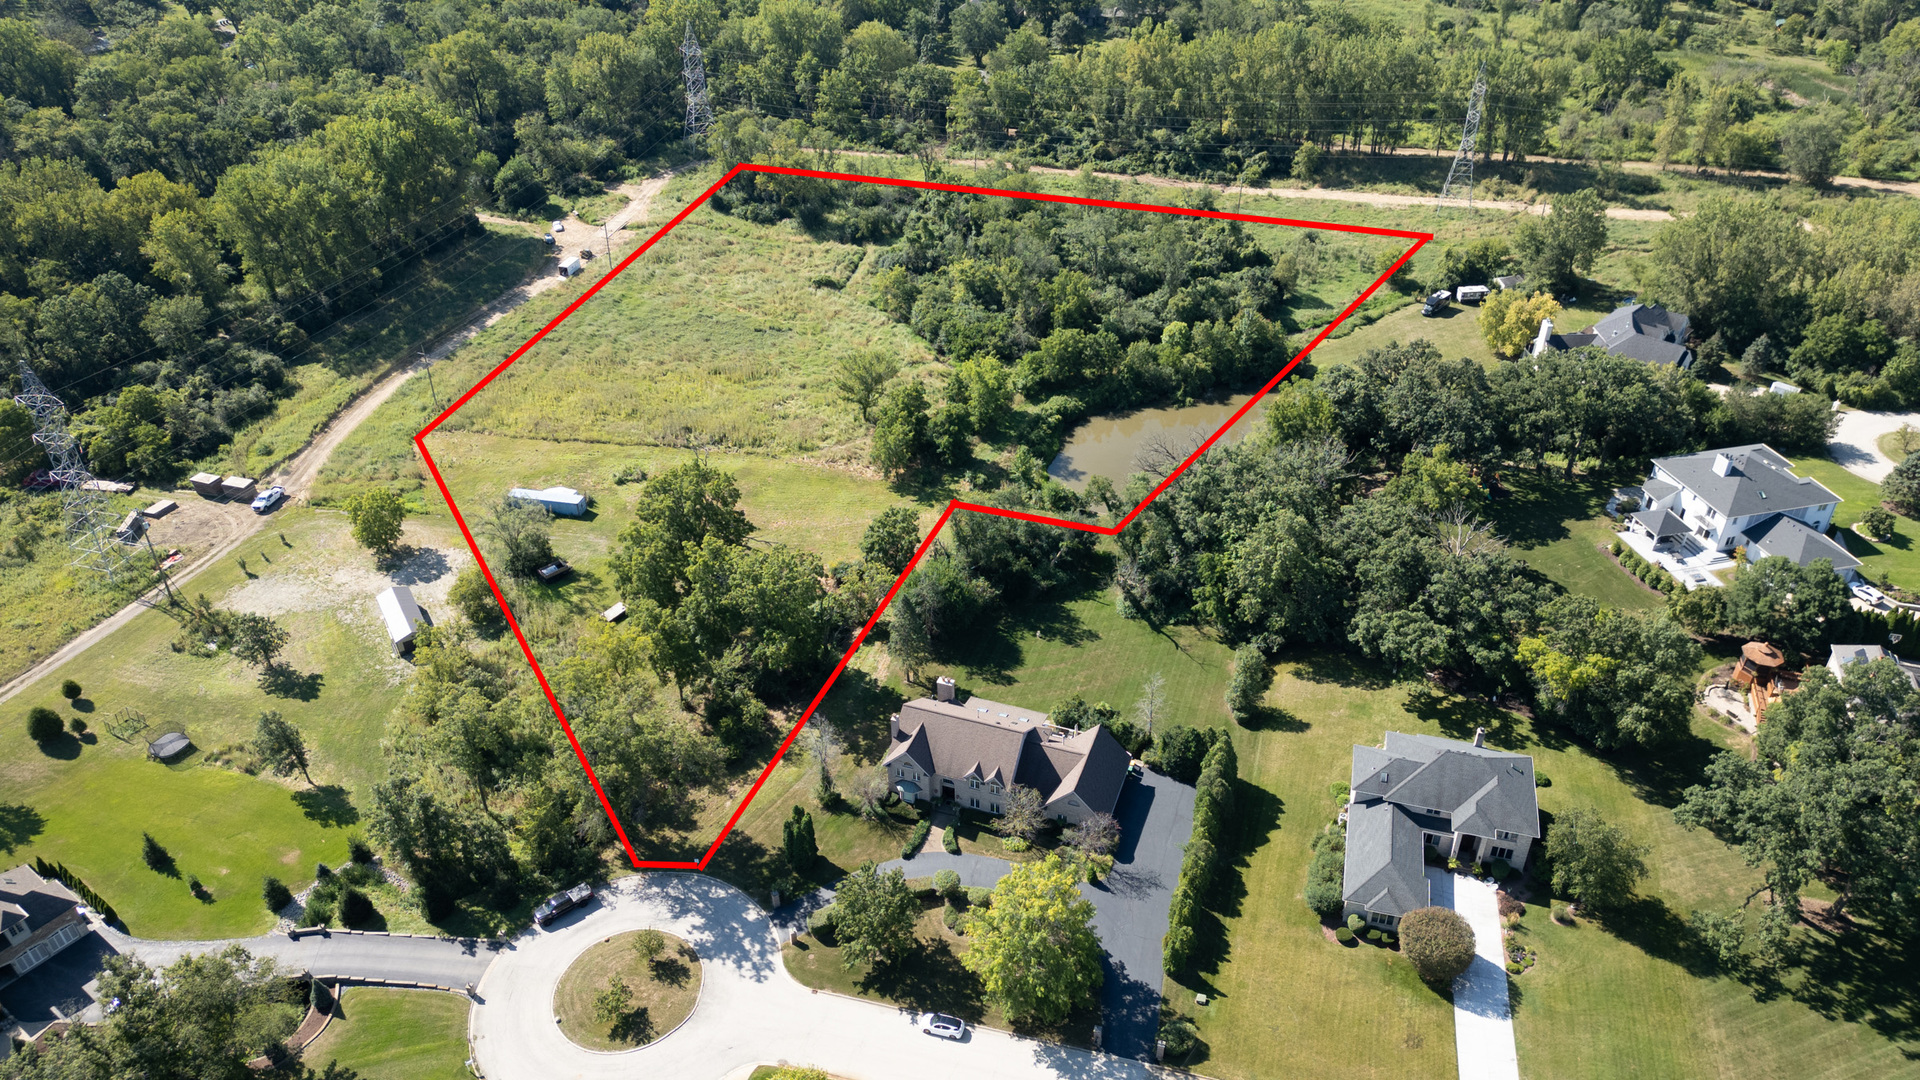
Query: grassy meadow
[{"x": 85, "y": 801}]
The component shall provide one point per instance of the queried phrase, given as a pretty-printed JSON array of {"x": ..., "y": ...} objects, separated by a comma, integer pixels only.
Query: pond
[{"x": 1111, "y": 446}]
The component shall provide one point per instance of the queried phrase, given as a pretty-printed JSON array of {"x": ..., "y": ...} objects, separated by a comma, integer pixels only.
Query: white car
[
  {"x": 559, "y": 226},
  {"x": 946, "y": 1027},
  {"x": 1870, "y": 594},
  {"x": 269, "y": 499}
]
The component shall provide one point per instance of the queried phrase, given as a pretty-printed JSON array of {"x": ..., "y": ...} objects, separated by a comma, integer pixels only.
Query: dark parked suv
[{"x": 560, "y": 903}]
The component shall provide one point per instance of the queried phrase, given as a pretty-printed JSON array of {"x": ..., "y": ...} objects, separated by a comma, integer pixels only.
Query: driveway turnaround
[
  {"x": 450, "y": 962},
  {"x": 750, "y": 1011},
  {"x": 1856, "y": 445},
  {"x": 976, "y": 871},
  {"x": 1482, "y": 1020},
  {"x": 1130, "y": 909}
]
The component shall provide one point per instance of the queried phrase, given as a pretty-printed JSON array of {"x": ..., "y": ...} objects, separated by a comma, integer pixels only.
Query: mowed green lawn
[
  {"x": 86, "y": 802},
  {"x": 1558, "y": 525},
  {"x": 396, "y": 1035},
  {"x": 1895, "y": 558},
  {"x": 1627, "y": 999}
]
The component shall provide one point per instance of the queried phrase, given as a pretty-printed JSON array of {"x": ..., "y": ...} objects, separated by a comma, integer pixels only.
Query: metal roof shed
[
  {"x": 401, "y": 615},
  {"x": 563, "y": 501}
]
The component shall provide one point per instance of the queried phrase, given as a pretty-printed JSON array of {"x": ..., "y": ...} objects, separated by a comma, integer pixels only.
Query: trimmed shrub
[
  {"x": 1179, "y": 1034},
  {"x": 43, "y": 724},
  {"x": 820, "y": 924},
  {"x": 1510, "y": 906},
  {"x": 1325, "y": 892},
  {"x": 979, "y": 897},
  {"x": 1374, "y": 936},
  {"x": 1515, "y": 969},
  {"x": 1015, "y": 843},
  {"x": 1616, "y": 547},
  {"x": 356, "y": 909},
  {"x": 1355, "y": 923},
  {"x": 955, "y": 919},
  {"x": 1388, "y": 940},
  {"x": 947, "y": 883},
  {"x": 1541, "y": 779},
  {"x": 319, "y": 913},
  {"x": 276, "y": 894},
  {"x": 1343, "y": 935},
  {"x": 950, "y": 841},
  {"x": 70, "y": 690},
  {"x": 1212, "y": 806},
  {"x": 915, "y": 838},
  {"x": 1501, "y": 869},
  {"x": 1438, "y": 942}
]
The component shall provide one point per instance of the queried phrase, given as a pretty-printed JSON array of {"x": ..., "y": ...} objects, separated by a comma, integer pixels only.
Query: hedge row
[
  {"x": 1326, "y": 887},
  {"x": 72, "y": 881},
  {"x": 915, "y": 838},
  {"x": 1655, "y": 576},
  {"x": 1212, "y": 802}
]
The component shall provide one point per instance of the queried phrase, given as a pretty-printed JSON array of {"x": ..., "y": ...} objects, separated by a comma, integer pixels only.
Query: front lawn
[
  {"x": 1896, "y": 558},
  {"x": 396, "y": 1035}
]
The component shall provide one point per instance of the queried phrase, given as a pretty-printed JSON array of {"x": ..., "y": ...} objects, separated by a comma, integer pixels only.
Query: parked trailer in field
[{"x": 563, "y": 501}]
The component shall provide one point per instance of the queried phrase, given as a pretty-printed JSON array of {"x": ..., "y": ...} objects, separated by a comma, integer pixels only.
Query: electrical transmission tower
[
  {"x": 90, "y": 519},
  {"x": 694, "y": 67},
  {"x": 1462, "y": 172}
]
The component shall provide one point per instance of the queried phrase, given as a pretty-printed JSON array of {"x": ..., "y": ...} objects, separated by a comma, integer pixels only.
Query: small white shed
[
  {"x": 570, "y": 266},
  {"x": 402, "y": 616},
  {"x": 563, "y": 501}
]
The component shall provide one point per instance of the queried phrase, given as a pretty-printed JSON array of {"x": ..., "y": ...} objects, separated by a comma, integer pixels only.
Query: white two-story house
[{"x": 1741, "y": 496}]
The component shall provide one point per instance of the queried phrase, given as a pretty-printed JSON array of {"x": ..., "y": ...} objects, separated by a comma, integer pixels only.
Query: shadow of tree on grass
[{"x": 328, "y": 804}]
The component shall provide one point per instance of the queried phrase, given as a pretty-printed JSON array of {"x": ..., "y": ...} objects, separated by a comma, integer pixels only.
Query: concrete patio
[{"x": 1695, "y": 567}]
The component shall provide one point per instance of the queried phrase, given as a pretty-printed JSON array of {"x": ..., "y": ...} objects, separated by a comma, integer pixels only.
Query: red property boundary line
[{"x": 1419, "y": 239}]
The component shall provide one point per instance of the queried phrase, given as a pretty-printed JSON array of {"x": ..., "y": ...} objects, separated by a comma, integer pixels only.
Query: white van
[{"x": 570, "y": 266}]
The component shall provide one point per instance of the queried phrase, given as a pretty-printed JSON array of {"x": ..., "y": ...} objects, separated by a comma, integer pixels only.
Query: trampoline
[{"x": 168, "y": 745}]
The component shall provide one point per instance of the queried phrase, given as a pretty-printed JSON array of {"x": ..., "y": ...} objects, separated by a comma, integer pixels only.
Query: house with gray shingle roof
[
  {"x": 1741, "y": 496},
  {"x": 971, "y": 755},
  {"x": 1648, "y": 333},
  {"x": 1418, "y": 794}
]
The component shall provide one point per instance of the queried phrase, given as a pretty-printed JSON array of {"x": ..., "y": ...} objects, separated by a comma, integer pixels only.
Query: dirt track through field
[{"x": 225, "y": 526}]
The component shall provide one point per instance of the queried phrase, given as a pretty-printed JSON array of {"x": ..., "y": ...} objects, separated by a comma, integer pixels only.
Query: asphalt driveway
[{"x": 1130, "y": 908}]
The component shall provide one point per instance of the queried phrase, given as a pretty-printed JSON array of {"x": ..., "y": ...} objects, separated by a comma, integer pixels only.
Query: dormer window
[{"x": 1502, "y": 834}]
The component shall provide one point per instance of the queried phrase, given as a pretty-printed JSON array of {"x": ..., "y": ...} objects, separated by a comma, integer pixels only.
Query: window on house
[
  {"x": 975, "y": 802},
  {"x": 1502, "y": 834},
  {"x": 995, "y": 808},
  {"x": 975, "y": 784},
  {"x": 1376, "y": 917},
  {"x": 1501, "y": 852}
]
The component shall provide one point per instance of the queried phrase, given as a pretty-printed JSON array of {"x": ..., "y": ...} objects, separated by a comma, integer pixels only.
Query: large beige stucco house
[{"x": 970, "y": 754}]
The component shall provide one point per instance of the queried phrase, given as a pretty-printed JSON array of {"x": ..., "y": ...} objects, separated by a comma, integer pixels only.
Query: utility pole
[
  {"x": 1462, "y": 171},
  {"x": 694, "y": 69},
  {"x": 165, "y": 581},
  {"x": 427, "y": 362}
]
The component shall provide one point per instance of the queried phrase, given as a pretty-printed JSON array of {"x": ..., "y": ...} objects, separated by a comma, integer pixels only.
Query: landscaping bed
[{"x": 663, "y": 992}]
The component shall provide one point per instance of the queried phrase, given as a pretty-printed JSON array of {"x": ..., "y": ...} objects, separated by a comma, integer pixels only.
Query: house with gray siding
[{"x": 1417, "y": 794}]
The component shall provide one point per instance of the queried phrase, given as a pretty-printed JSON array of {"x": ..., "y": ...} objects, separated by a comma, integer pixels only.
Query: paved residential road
[
  {"x": 1482, "y": 1018},
  {"x": 452, "y": 962},
  {"x": 750, "y": 1012}
]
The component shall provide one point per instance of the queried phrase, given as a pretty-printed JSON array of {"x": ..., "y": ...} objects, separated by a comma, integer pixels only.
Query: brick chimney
[
  {"x": 1480, "y": 736},
  {"x": 943, "y": 688}
]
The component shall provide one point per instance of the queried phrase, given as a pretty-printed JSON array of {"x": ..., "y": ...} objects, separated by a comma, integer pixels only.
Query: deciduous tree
[
  {"x": 1596, "y": 863},
  {"x": 280, "y": 747},
  {"x": 1034, "y": 947},
  {"x": 875, "y": 915},
  {"x": 377, "y": 515}
]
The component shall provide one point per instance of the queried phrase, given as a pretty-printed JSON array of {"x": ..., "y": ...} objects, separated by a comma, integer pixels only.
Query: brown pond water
[{"x": 1109, "y": 446}]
